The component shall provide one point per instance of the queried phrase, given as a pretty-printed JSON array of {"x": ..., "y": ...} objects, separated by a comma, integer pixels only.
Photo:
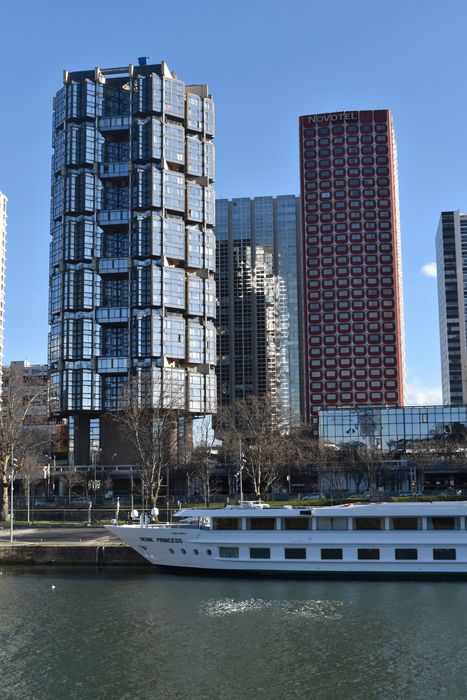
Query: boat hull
[{"x": 186, "y": 550}]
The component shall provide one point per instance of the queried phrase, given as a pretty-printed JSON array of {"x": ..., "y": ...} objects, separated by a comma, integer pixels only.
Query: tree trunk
[{"x": 5, "y": 501}]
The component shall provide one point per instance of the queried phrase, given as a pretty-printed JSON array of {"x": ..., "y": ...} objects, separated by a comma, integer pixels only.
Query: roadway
[{"x": 59, "y": 535}]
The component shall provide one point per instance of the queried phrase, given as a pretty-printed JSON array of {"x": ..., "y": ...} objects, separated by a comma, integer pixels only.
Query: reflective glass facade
[
  {"x": 259, "y": 292},
  {"x": 132, "y": 288},
  {"x": 354, "y": 344},
  {"x": 451, "y": 257},
  {"x": 390, "y": 429}
]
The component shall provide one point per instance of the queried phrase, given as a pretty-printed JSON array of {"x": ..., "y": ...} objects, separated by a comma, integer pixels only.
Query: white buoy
[{"x": 53, "y": 588}]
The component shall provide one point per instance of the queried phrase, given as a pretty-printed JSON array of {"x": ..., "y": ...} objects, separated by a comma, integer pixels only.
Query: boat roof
[{"x": 262, "y": 510}]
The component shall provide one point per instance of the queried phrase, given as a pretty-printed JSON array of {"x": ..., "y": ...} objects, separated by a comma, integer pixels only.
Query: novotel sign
[{"x": 330, "y": 117}]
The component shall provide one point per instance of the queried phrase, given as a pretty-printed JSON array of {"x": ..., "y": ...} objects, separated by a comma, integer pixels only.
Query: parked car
[
  {"x": 46, "y": 501},
  {"x": 78, "y": 501},
  {"x": 312, "y": 497}
]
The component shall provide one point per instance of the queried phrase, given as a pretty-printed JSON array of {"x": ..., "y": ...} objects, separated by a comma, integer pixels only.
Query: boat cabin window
[
  {"x": 368, "y": 524},
  {"x": 261, "y": 524},
  {"x": 368, "y": 553},
  {"x": 444, "y": 554},
  {"x": 334, "y": 553},
  {"x": 296, "y": 523},
  {"x": 405, "y": 524},
  {"x": 332, "y": 524},
  {"x": 226, "y": 524},
  {"x": 443, "y": 523},
  {"x": 260, "y": 553},
  {"x": 405, "y": 554},
  {"x": 228, "y": 552},
  {"x": 295, "y": 553}
]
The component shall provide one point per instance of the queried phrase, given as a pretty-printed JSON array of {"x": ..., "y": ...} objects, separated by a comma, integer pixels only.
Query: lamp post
[
  {"x": 239, "y": 476},
  {"x": 94, "y": 452},
  {"x": 28, "y": 495},
  {"x": 47, "y": 470},
  {"x": 12, "y": 478},
  {"x": 12, "y": 481},
  {"x": 242, "y": 462}
]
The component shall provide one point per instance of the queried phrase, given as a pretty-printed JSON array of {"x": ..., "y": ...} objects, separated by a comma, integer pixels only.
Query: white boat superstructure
[{"x": 355, "y": 539}]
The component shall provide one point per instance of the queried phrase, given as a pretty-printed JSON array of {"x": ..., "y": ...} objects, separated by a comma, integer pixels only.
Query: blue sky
[{"x": 266, "y": 63}]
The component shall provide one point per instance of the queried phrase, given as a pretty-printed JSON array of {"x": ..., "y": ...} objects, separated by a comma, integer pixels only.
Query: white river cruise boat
[{"x": 385, "y": 539}]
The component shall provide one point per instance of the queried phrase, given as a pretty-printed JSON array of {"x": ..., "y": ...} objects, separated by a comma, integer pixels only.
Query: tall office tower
[
  {"x": 354, "y": 343},
  {"x": 259, "y": 294},
  {"x": 3, "y": 217},
  {"x": 132, "y": 291},
  {"x": 32, "y": 382},
  {"x": 451, "y": 256}
]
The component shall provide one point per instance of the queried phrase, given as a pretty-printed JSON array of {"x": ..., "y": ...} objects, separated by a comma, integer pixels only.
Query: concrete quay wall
[{"x": 70, "y": 554}]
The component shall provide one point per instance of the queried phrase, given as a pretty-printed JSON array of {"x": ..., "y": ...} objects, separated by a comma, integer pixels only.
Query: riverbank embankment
[{"x": 67, "y": 546}]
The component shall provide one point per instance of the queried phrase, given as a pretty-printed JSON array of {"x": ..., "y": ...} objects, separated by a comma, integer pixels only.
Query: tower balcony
[
  {"x": 109, "y": 217},
  {"x": 112, "y": 365},
  {"x": 114, "y": 123},
  {"x": 113, "y": 170},
  {"x": 112, "y": 266},
  {"x": 112, "y": 314}
]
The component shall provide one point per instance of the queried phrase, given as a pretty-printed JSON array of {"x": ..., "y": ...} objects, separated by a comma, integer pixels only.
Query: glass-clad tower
[
  {"x": 132, "y": 291},
  {"x": 451, "y": 259},
  {"x": 3, "y": 218},
  {"x": 259, "y": 292}
]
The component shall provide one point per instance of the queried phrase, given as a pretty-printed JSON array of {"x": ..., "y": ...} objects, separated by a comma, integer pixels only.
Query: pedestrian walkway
[{"x": 58, "y": 535}]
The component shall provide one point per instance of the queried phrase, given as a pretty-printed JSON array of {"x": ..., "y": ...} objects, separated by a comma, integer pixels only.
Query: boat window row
[
  {"x": 336, "y": 553},
  {"x": 341, "y": 523}
]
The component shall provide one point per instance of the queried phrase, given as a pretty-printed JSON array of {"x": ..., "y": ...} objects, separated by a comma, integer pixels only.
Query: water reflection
[{"x": 137, "y": 634}]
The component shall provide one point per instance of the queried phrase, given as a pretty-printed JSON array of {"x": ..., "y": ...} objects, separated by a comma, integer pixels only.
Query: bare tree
[
  {"x": 31, "y": 471},
  {"x": 72, "y": 479},
  {"x": 202, "y": 460},
  {"x": 363, "y": 463},
  {"x": 228, "y": 458},
  {"x": 256, "y": 424},
  {"x": 20, "y": 430},
  {"x": 151, "y": 405},
  {"x": 307, "y": 454}
]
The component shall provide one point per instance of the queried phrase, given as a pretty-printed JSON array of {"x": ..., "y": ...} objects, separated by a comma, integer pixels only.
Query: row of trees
[
  {"x": 23, "y": 440},
  {"x": 252, "y": 438},
  {"x": 248, "y": 437}
]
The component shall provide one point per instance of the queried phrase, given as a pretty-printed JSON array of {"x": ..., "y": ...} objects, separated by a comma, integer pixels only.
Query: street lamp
[
  {"x": 14, "y": 466},
  {"x": 239, "y": 476},
  {"x": 47, "y": 470},
  {"x": 94, "y": 452},
  {"x": 241, "y": 463}
]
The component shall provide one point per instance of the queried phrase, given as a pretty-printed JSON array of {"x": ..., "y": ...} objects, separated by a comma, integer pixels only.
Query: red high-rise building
[{"x": 353, "y": 309}]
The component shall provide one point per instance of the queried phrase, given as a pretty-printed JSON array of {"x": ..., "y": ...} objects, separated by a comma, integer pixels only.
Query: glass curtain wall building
[
  {"x": 259, "y": 300},
  {"x": 132, "y": 289},
  {"x": 451, "y": 257},
  {"x": 3, "y": 218},
  {"x": 423, "y": 443},
  {"x": 387, "y": 428},
  {"x": 354, "y": 342}
]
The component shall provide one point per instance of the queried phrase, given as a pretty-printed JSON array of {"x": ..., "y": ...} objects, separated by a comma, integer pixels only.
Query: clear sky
[{"x": 266, "y": 63}]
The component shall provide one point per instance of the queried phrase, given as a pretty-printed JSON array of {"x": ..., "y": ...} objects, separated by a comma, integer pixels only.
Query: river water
[{"x": 136, "y": 634}]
